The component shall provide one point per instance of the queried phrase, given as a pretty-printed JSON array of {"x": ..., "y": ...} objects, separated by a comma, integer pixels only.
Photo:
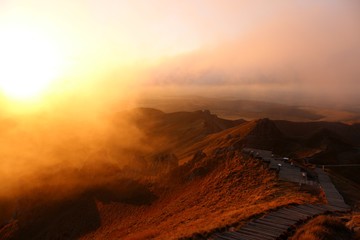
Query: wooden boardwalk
[
  {"x": 274, "y": 225},
  {"x": 277, "y": 224},
  {"x": 334, "y": 198}
]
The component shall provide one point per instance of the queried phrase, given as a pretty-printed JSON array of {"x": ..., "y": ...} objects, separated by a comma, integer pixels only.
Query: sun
[{"x": 29, "y": 63}]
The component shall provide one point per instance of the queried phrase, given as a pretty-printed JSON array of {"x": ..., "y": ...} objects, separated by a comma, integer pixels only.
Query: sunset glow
[{"x": 29, "y": 62}]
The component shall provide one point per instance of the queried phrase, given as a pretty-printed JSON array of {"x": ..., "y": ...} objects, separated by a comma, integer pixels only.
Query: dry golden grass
[
  {"x": 235, "y": 190},
  {"x": 218, "y": 140},
  {"x": 324, "y": 228}
]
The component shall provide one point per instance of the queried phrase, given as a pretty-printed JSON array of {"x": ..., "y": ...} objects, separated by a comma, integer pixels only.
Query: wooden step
[
  {"x": 303, "y": 211},
  {"x": 277, "y": 214},
  {"x": 243, "y": 236},
  {"x": 294, "y": 212},
  {"x": 281, "y": 220},
  {"x": 271, "y": 224},
  {"x": 267, "y": 228},
  {"x": 256, "y": 234},
  {"x": 239, "y": 235}
]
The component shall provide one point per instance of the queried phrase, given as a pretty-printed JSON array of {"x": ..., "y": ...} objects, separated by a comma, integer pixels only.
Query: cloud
[{"x": 307, "y": 49}]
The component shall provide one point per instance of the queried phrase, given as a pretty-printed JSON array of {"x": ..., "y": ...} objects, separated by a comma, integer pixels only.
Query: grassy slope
[
  {"x": 213, "y": 192},
  {"x": 221, "y": 139},
  {"x": 235, "y": 190}
]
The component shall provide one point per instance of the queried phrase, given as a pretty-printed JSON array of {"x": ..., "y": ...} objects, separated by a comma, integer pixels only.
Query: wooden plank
[
  {"x": 311, "y": 211},
  {"x": 277, "y": 221},
  {"x": 294, "y": 212},
  {"x": 334, "y": 191},
  {"x": 264, "y": 225},
  {"x": 306, "y": 211},
  {"x": 223, "y": 236},
  {"x": 257, "y": 234},
  {"x": 267, "y": 228},
  {"x": 310, "y": 214},
  {"x": 333, "y": 196},
  {"x": 232, "y": 235},
  {"x": 334, "y": 199},
  {"x": 303, "y": 211},
  {"x": 260, "y": 231},
  {"x": 282, "y": 220},
  {"x": 216, "y": 237},
  {"x": 263, "y": 233},
  {"x": 337, "y": 202},
  {"x": 247, "y": 236},
  {"x": 295, "y": 218},
  {"x": 240, "y": 236},
  {"x": 321, "y": 207},
  {"x": 310, "y": 208},
  {"x": 330, "y": 191},
  {"x": 279, "y": 226},
  {"x": 316, "y": 207},
  {"x": 284, "y": 216},
  {"x": 340, "y": 207},
  {"x": 291, "y": 216},
  {"x": 252, "y": 235}
]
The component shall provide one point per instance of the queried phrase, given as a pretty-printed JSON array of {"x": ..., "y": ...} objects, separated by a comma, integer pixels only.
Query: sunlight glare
[{"x": 29, "y": 62}]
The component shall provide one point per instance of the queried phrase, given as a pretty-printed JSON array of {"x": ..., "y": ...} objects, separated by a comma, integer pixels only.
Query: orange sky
[
  {"x": 98, "y": 39},
  {"x": 128, "y": 30}
]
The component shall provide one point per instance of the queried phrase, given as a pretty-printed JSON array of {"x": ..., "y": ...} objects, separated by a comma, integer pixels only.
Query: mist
[
  {"x": 76, "y": 140},
  {"x": 306, "y": 53}
]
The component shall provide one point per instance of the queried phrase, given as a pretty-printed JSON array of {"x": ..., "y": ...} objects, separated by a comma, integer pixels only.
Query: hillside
[
  {"x": 192, "y": 179},
  {"x": 190, "y": 199},
  {"x": 176, "y": 131}
]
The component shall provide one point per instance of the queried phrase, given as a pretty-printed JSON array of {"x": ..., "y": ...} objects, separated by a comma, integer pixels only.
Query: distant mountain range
[{"x": 250, "y": 109}]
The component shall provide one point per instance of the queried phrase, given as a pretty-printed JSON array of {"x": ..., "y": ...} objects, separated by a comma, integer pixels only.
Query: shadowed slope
[
  {"x": 347, "y": 133},
  {"x": 70, "y": 218}
]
